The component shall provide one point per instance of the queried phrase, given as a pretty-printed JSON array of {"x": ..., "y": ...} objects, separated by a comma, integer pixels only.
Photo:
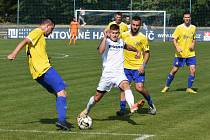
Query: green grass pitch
[{"x": 27, "y": 111}]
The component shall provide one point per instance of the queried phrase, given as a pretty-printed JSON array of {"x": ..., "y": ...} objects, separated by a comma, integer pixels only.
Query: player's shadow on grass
[
  {"x": 44, "y": 121},
  {"x": 48, "y": 121},
  {"x": 125, "y": 117},
  {"x": 142, "y": 111},
  {"x": 183, "y": 89}
]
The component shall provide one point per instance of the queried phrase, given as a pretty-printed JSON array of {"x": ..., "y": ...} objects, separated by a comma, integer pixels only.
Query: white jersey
[
  {"x": 113, "y": 65},
  {"x": 113, "y": 56}
]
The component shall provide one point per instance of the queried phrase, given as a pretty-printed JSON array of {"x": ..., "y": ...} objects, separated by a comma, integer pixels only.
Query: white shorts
[{"x": 111, "y": 79}]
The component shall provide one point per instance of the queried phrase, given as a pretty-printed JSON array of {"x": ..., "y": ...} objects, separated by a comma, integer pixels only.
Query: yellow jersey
[
  {"x": 122, "y": 25},
  {"x": 36, "y": 53},
  {"x": 140, "y": 42},
  {"x": 185, "y": 36}
]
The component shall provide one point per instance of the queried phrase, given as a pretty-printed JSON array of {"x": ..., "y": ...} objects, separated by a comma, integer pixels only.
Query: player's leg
[
  {"x": 141, "y": 89},
  {"x": 75, "y": 38},
  {"x": 61, "y": 107},
  {"x": 122, "y": 110},
  {"x": 122, "y": 95},
  {"x": 178, "y": 62},
  {"x": 139, "y": 79},
  {"x": 92, "y": 101},
  {"x": 103, "y": 86},
  {"x": 124, "y": 86},
  {"x": 70, "y": 39},
  {"x": 191, "y": 62},
  {"x": 53, "y": 82}
]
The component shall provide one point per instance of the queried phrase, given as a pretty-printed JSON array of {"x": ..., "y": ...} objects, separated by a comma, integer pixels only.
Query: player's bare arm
[
  {"x": 178, "y": 49},
  {"x": 146, "y": 60},
  {"x": 19, "y": 47},
  {"x": 102, "y": 45},
  {"x": 131, "y": 48},
  {"x": 192, "y": 47}
]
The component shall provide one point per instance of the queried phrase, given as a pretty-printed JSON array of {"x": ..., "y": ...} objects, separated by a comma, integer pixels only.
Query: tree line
[{"x": 32, "y": 11}]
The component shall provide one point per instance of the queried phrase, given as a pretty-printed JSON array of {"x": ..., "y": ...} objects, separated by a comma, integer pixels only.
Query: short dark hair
[
  {"x": 136, "y": 18},
  {"x": 119, "y": 13},
  {"x": 48, "y": 21},
  {"x": 186, "y": 13},
  {"x": 114, "y": 27}
]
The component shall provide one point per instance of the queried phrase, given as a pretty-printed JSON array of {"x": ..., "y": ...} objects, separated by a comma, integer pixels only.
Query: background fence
[{"x": 32, "y": 11}]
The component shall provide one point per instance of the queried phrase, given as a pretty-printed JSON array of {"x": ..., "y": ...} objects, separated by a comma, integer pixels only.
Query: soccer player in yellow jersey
[
  {"x": 118, "y": 21},
  {"x": 41, "y": 69},
  {"x": 184, "y": 43},
  {"x": 134, "y": 68}
]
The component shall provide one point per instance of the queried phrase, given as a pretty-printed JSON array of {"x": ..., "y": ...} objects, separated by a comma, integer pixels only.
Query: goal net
[{"x": 151, "y": 20}]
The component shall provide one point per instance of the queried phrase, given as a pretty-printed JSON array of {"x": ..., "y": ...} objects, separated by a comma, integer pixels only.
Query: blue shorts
[
  {"x": 180, "y": 62},
  {"x": 134, "y": 75},
  {"x": 52, "y": 81}
]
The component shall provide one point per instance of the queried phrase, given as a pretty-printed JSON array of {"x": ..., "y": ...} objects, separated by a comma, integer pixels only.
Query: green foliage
[
  {"x": 8, "y": 10},
  {"x": 176, "y": 8},
  {"x": 31, "y": 12}
]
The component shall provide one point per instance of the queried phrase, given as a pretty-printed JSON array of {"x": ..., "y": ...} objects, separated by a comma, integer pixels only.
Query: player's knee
[
  {"x": 174, "y": 70},
  {"x": 97, "y": 99},
  {"x": 98, "y": 96},
  {"x": 139, "y": 88},
  {"x": 125, "y": 85},
  {"x": 62, "y": 93},
  {"x": 192, "y": 70}
]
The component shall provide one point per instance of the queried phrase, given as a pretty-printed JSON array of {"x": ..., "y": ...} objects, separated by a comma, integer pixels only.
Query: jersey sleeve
[
  {"x": 194, "y": 35},
  {"x": 175, "y": 35},
  {"x": 125, "y": 28},
  {"x": 145, "y": 44},
  {"x": 34, "y": 36}
]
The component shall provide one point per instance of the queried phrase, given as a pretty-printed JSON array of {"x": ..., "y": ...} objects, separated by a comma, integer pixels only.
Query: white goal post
[{"x": 155, "y": 19}]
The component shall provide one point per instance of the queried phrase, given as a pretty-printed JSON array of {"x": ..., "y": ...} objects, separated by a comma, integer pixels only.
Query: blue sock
[
  {"x": 190, "y": 80},
  {"x": 122, "y": 106},
  {"x": 169, "y": 79},
  {"x": 149, "y": 100},
  {"x": 61, "y": 108}
]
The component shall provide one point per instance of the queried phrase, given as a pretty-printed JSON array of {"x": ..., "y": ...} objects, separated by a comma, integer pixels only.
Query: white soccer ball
[{"x": 85, "y": 122}]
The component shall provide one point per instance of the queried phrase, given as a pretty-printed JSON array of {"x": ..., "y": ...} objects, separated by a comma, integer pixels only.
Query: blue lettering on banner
[
  {"x": 112, "y": 46},
  {"x": 97, "y": 33}
]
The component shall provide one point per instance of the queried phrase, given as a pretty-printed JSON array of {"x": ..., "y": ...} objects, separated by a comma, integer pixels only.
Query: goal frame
[{"x": 130, "y": 11}]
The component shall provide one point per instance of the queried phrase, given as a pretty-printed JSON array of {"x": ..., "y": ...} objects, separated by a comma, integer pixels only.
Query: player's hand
[
  {"x": 137, "y": 54},
  {"x": 141, "y": 69},
  {"x": 178, "y": 49},
  {"x": 191, "y": 48},
  {"x": 11, "y": 56},
  {"x": 106, "y": 34}
]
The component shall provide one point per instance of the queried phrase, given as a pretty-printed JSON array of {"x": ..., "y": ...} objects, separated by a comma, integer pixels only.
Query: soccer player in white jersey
[{"x": 112, "y": 49}]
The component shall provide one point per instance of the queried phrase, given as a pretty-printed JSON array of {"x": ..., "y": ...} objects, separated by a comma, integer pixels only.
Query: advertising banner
[{"x": 97, "y": 33}]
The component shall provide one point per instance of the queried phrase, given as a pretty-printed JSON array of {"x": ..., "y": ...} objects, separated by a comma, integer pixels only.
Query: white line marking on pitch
[{"x": 141, "y": 136}]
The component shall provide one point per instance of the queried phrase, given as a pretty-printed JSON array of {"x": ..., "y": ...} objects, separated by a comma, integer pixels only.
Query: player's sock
[
  {"x": 74, "y": 41},
  {"x": 169, "y": 79},
  {"x": 122, "y": 105},
  {"x": 70, "y": 41},
  {"x": 149, "y": 100},
  {"x": 90, "y": 104},
  {"x": 61, "y": 108},
  {"x": 129, "y": 97},
  {"x": 190, "y": 80}
]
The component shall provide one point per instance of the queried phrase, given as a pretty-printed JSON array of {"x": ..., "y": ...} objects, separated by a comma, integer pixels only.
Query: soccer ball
[{"x": 85, "y": 122}]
